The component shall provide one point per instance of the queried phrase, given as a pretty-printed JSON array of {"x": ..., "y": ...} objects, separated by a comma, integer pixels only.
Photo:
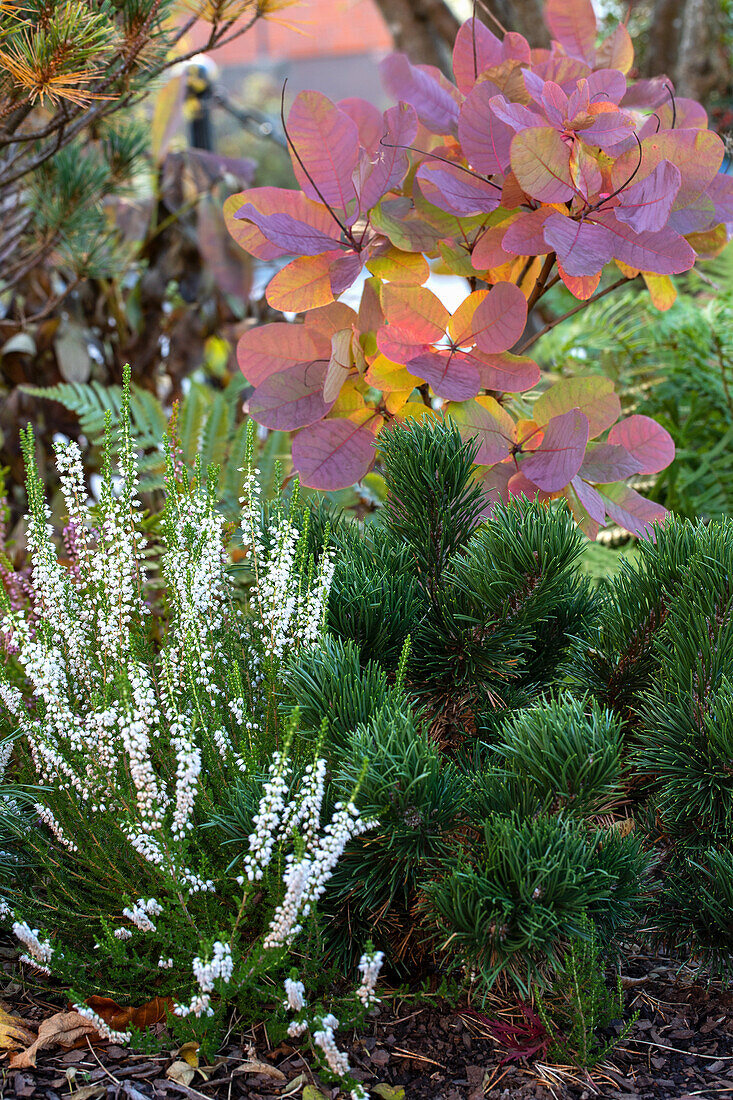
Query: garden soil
[{"x": 680, "y": 1048}]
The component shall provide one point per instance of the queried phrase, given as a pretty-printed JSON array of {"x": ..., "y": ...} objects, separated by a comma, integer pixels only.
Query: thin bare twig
[{"x": 571, "y": 312}]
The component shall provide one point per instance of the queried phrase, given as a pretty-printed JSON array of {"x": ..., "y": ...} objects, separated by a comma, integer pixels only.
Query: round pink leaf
[
  {"x": 648, "y": 442},
  {"x": 333, "y": 454},
  {"x": 500, "y": 318}
]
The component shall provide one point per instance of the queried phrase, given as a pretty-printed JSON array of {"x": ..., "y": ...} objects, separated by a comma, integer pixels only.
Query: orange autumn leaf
[{"x": 119, "y": 1017}]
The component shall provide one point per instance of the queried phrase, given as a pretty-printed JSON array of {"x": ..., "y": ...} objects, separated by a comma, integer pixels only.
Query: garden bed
[{"x": 680, "y": 1047}]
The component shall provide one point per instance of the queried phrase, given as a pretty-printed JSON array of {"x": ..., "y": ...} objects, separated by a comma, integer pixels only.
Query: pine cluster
[
  {"x": 70, "y": 70},
  {"x": 538, "y": 753}
]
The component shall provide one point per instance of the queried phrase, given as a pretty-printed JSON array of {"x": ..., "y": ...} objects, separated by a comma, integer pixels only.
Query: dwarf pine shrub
[
  {"x": 138, "y": 699},
  {"x": 451, "y": 639},
  {"x": 577, "y": 759},
  {"x": 662, "y": 659}
]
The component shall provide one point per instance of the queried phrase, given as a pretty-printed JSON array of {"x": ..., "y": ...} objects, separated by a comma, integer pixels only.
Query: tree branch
[{"x": 571, "y": 312}]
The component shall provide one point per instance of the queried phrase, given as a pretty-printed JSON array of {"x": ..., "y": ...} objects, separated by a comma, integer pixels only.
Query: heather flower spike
[
  {"x": 134, "y": 723},
  {"x": 533, "y": 166}
]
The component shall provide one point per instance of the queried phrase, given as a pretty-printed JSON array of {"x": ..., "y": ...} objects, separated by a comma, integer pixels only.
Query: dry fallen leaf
[
  {"x": 14, "y": 1033},
  {"x": 310, "y": 1092},
  {"x": 181, "y": 1073},
  {"x": 64, "y": 1030},
  {"x": 389, "y": 1092},
  {"x": 252, "y": 1065},
  {"x": 89, "y": 1092},
  {"x": 189, "y": 1052},
  {"x": 294, "y": 1086},
  {"x": 121, "y": 1017}
]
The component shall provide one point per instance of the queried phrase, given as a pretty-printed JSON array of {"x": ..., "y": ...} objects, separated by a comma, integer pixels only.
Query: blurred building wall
[{"x": 330, "y": 45}]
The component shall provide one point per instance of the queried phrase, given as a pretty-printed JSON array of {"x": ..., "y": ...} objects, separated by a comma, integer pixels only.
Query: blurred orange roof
[{"x": 311, "y": 28}]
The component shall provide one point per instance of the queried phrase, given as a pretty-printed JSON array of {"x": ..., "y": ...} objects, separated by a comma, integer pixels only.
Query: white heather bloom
[
  {"x": 359, "y": 1093},
  {"x": 206, "y": 972},
  {"x": 283, "y": 926},
  {"x": 198, "y": 1006},
  {"x": 307, "y": 810},
  {"x": 39, "y": 952},
  {"x": 338, "y": 1060},
  {"x": 295, "y": 995},
  {"x": 103, "y": 1029},
  {"x": 369, "y": 965},
  {"x": 141, "y": 912},
  {"x": 220, "y": 966},
  {"x": 47, "y": 818},
  {"x": 297, "y": 1028},
  {"x": 306, "y": 879},
  {"x": 268, "y": 819},
  {"x": 144, "y": 736}
]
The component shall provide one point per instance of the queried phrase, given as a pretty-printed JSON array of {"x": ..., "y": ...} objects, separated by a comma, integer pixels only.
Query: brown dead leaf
[
  {"x": 181, "y": 1073},
  {"x": 89, "y": 1092},
  {"x": 252, "y": 1065},
  {"x": 121, "y": 1017},
  {"x": 14, "y": 1033},
  {"x": 64, "y": 1030}
]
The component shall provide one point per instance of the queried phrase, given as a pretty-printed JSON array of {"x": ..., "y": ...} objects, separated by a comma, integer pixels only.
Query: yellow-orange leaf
[
  {"x": 629, "y": 272},
  {"x": 528, "y": 431},
  {"x": 350, "y": 400},
  {"x": 710, "y": 243},
  {"x": 529, "y": 281},
  {"x": 401, "y": 268},
  {"x": 304, "y": 283},
  {"x": 14, "y": 1032},
  {"x": 395, "y": 401},
  {"x": 416, "y": 410},
  {"x": 387, "y": 376},
  {"x": 662, "y": 290}
]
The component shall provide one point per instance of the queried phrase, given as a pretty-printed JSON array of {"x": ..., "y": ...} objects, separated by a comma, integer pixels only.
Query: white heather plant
[{"x": 135, "y": 722}]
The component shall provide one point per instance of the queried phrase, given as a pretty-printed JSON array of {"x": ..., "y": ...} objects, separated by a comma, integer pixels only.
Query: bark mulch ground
[{"x": 681, "y": 1047}]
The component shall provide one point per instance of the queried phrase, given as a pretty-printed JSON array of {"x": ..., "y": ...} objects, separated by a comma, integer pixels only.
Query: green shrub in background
[{"x": 676, "y": 367}]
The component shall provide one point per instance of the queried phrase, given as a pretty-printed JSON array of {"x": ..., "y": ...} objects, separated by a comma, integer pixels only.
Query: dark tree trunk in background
[
  {"x": 662, "y": 45},
  {"x": 423, "y": 29},
  {"x": 426, "y": 29},
  {"x": 686, "y": 40},
  {"x": 703, "y": 63},
  {"x": 524, "y": 16}
]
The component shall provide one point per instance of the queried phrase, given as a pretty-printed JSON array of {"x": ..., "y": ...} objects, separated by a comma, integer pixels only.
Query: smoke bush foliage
[
  {"x": 135, "y": 723},
  {"x": 535, "y": 166}
]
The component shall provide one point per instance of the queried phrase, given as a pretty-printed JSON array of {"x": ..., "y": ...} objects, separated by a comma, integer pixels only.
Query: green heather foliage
[{"x": 582, "y": 1003}]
